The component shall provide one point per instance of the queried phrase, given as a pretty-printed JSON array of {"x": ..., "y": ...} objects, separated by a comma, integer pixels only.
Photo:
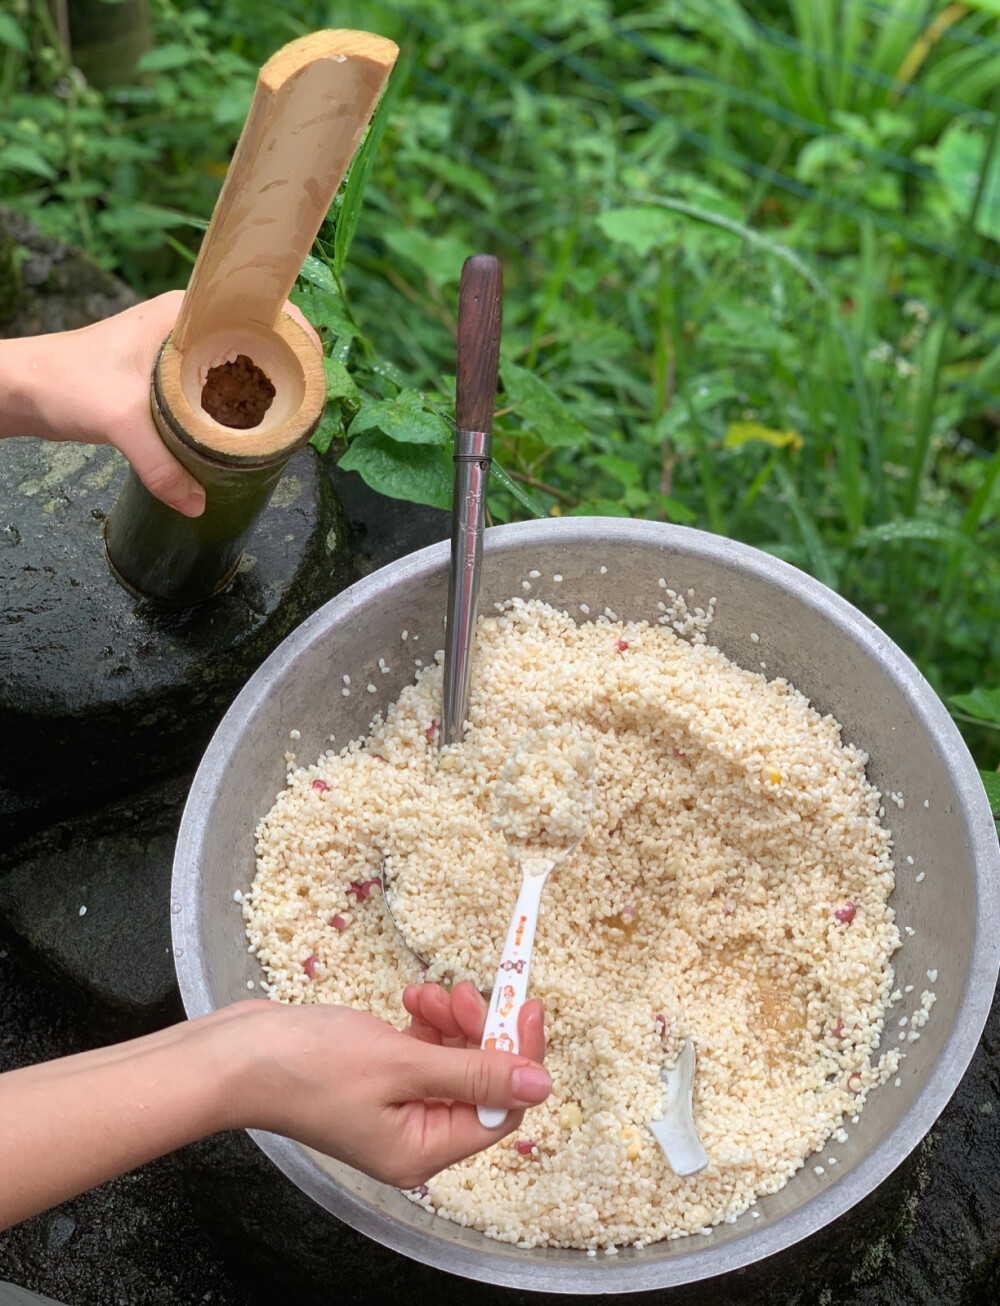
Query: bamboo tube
[{"x": 238, "y": 385}]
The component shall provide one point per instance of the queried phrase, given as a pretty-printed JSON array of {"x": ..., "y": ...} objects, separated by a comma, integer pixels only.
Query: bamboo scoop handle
[{"x": 313, "y": 101}]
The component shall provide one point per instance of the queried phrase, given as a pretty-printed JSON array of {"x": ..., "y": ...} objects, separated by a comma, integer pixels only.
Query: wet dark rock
[
  {"x": 382, "y": 529},
  {"x": 66, "y": 289},
  {"x": 135, "y": 1240},
  {"x": 90, "y": 899},
  {"x": 101, "y": 693},
  {"x": 59, "y": 1230}
]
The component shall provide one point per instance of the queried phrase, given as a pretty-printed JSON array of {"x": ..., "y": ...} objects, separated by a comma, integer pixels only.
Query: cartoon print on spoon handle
[{"x": 510, "y": 988}]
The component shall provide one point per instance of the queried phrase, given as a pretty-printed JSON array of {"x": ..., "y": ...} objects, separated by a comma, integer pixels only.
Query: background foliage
[{"x": 750, "y": 251}]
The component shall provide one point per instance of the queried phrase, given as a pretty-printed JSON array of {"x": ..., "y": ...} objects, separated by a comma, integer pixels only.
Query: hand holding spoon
[{"x": 542, "y": 804}]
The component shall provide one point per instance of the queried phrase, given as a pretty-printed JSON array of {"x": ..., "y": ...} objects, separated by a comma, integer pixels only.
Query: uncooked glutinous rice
[{"x": 731, "y": 825}]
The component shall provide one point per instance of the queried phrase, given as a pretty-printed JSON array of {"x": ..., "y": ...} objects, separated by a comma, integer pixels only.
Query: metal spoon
[
  {"x": 540, "y": 836},
  {"x": 388, "y": 910},
  {"x": 480, "y": 305},
  {"x": 480, "y": 311}
]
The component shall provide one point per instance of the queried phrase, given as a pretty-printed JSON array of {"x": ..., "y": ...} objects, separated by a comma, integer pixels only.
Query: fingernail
[
  {"x": 531, "y": 1084},
  {"x": 193, "y": 504}
]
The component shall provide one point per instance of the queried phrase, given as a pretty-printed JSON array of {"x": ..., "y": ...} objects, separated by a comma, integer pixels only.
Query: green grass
[{"x": 750, "y": 254}]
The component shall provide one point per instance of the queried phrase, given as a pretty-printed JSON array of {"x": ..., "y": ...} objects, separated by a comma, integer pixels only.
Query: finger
[
  {"x": 157, "y": 468},
  {"x": 531, "y": 1030},
  {"x": 436, "y": 1010},
  {"x": 451, "y": 1132},
  {"x": 411, "y": 1000},
  {"x": 304, "y": 323},
  {"x": 470, "y": 1008},
  {"x": 419, "y": 1027},
  {"x": 467, "y": 1075}
]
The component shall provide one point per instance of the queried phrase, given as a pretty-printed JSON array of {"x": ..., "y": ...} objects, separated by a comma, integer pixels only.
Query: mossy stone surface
[{"x": 102, "y": 693}]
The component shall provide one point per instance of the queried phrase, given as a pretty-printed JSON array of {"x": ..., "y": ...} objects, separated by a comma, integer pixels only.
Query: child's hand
[
  {"x": 456, "y": 1019},
  {"x": 398, "y": 1106},
  {"x": 92, "y": 385}
]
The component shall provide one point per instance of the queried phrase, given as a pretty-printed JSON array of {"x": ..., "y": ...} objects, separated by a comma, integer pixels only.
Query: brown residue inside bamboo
[{"x": 237, "y": 393}]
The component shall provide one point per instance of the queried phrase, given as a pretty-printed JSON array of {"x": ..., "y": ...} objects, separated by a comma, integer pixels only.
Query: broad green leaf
[
  {"x": 820, "y": 154},
  {"x": 458, "y": 175},
  {"x": 440, "y": 258},
  {"x": 700, "y": 396},
  {"x": 404, "y": 419},
  {"x": 126, "y": 218},
  {"x": 315, "y": 271},
  {"x": 598, "y": 508},
  {"x": 166, "y": 57},
  {"x": 324, "y": 310},
  {"x": 991, "y": 783},
  {"x": 640, "y": 229},
  {"x": 540, "y": 408},
  {"x": 747, "y": 326},
  {"x": 339, "y": 382},
  {"x": 636, "y": 499},
  {"x": 349, "y": 212},
  {"x": 740, "y": 433},
  {"x": 11, "y": 34},
  {"x": 22, "y": 158},
  {"x": 981, "y": 703},
  {"x": 959, "y": 160},
  {"x": 620, "y": 468},
  {"x": 329, "y": 429},
  {"x": 79, "y": 190},
  {"x": 420, "y": 473},
  {"x": 233, "y": 104},
  {"x": 673, "y": 510}
]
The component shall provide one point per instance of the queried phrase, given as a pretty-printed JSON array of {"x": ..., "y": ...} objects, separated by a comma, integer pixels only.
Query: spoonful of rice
[{"x": 541, "y": 804}]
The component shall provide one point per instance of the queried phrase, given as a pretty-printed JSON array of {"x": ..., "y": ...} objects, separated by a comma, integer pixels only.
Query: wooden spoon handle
[
  {"x": 480, "y": 310},
  {"x": 313, "y": 101}
]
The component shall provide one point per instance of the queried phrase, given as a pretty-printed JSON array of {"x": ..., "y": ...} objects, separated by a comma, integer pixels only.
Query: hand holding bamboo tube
[{"x": 238, "y": 385}]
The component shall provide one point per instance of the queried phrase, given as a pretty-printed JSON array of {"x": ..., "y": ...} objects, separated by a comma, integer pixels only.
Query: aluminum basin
[{"x": 825, "y": 647}]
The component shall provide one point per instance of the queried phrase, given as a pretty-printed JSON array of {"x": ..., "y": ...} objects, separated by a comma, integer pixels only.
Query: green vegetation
[{"x": 750, "y": 250}]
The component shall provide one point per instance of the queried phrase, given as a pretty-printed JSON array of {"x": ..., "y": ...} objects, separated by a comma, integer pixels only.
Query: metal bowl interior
[{"x": 807, "y": 634}]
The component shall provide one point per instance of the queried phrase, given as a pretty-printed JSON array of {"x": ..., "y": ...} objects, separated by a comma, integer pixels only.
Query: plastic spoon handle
[{"x": 510, "y": 988}]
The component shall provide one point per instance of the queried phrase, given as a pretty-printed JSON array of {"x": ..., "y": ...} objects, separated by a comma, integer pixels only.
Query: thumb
[
  {"x": 160, "y": 472},
  {"x": 497, "y": 1079}
]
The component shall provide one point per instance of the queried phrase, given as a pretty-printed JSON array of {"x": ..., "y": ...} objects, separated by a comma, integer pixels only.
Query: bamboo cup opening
[
  {"x": 282, "y": 358},
  {"x": 267, "y": 352}
]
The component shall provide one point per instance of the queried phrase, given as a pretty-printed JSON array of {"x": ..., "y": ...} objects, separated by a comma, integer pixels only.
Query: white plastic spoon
[
  {"x": 542, "y": 804},
  {"x": 676, "y": 1132}
]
